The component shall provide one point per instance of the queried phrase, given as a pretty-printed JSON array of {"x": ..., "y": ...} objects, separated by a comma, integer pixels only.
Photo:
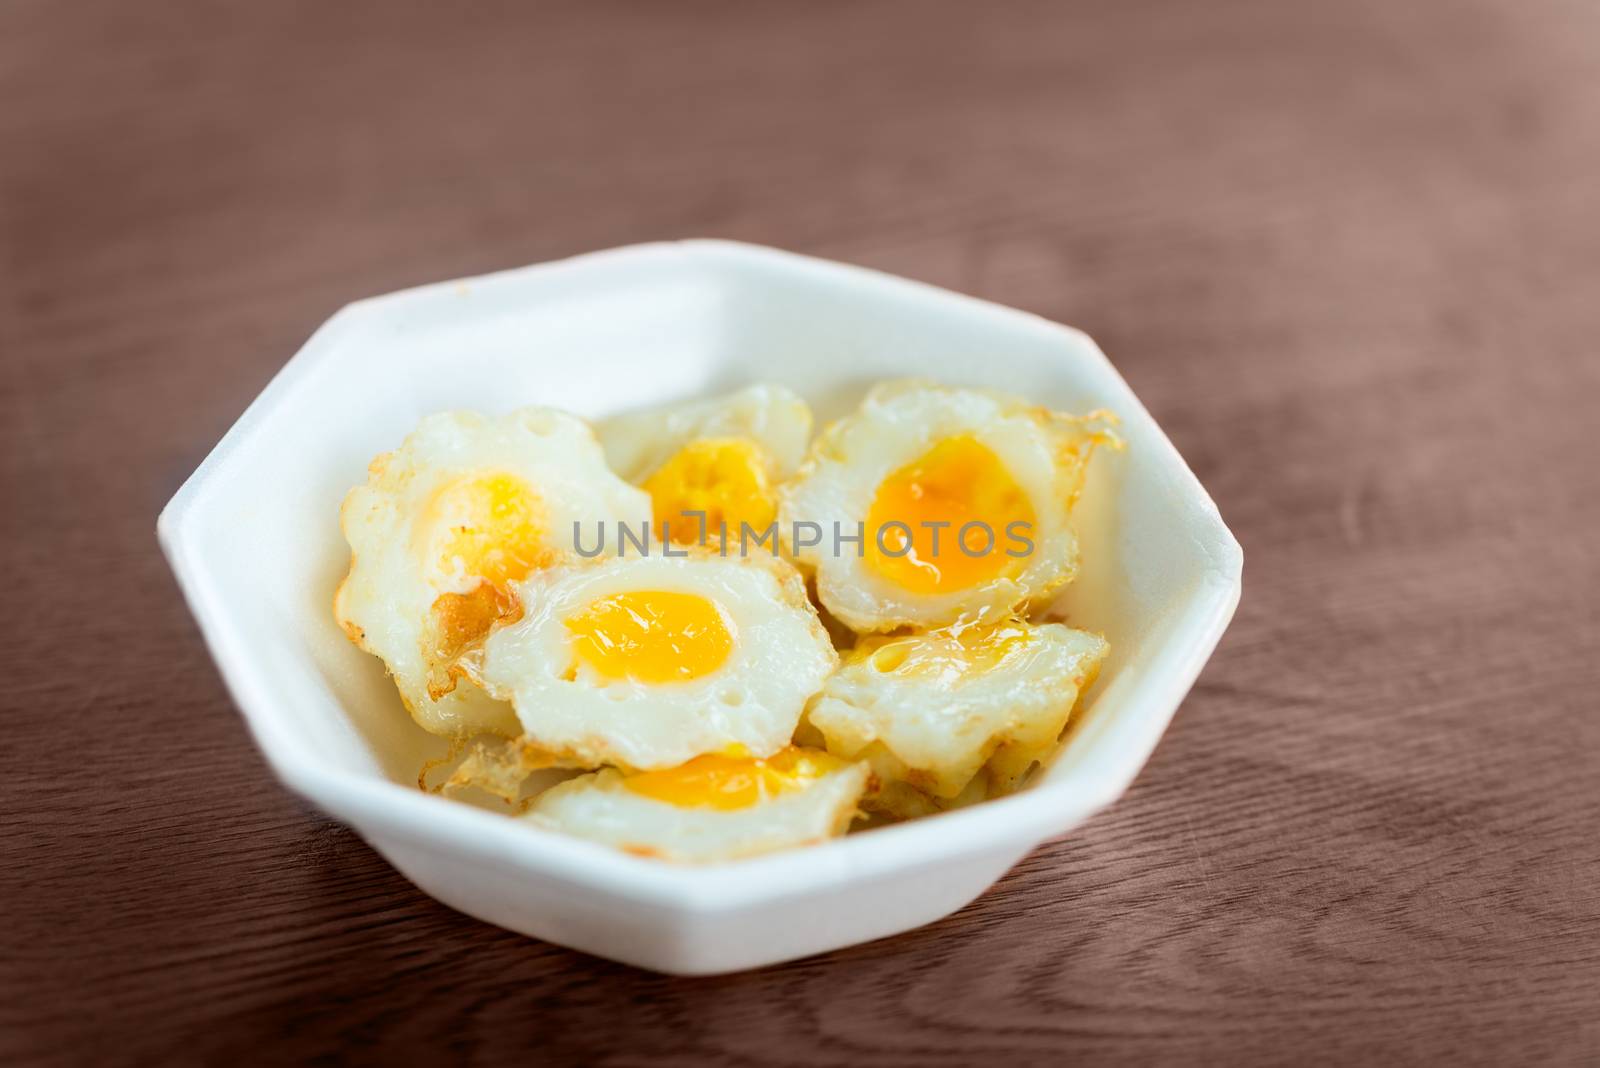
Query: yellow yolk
[
  {"x": 652, "y": 636},
  {"x": 491, "y": 529},
  {"x": 726, "y": 478},
  {"x": 486, "y": 534},
  {"x": 950, "y": 653},
  {"x": 719, "y": 781},
  {"x": 958, "y": 481}
]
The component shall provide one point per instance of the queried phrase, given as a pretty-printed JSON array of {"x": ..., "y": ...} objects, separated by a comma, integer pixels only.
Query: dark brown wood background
[{"x": 1348, "y": 253}]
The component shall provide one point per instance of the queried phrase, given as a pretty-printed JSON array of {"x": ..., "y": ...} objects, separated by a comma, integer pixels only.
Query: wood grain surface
[{"x": 1347, "y": 253}]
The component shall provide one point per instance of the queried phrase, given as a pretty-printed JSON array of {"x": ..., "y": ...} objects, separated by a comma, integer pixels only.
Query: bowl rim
[{"x": 379, "y": 807}]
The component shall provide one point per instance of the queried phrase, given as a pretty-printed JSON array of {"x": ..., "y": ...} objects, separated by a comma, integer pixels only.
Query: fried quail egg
[
  {"x": 443, "y": 530},
  {"x": 714, "y": 807},
  {"x": 647, "y": 662},
  {"x": 931, "y": 711},
  {"x": 712, "y": 462},
  {"x": 959, "y": 501}
]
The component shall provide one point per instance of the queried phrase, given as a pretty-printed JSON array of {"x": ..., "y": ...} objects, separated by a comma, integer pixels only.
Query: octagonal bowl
[{"x": 253, "y": 537}]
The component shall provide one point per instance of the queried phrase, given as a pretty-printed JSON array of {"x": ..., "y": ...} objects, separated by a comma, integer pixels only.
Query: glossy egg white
[
  {"x": 401, "y": 524},
  {"x": 1044, "y": 453},
  {"x": 932, "y": 711},
  {"x": 602, "y": 808},
  {"x": 779, "y": 657},
  {"x": 637, "y": 443}
]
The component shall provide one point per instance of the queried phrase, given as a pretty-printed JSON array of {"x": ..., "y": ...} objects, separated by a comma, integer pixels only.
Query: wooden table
[{"x": 1348, "y": 254}]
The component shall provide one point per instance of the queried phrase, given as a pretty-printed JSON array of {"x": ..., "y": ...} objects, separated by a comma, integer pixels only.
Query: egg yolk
[
  {"x": 486, "y": 534},
  {"x": 958, "y": 481},
  {"x": 652, "y": 636},
  {"x": 726, "y": 478},
  {"x": 720, "y": 781},
  {"x": 947, "y": 654},
  {"x": 491, "y": 528}
]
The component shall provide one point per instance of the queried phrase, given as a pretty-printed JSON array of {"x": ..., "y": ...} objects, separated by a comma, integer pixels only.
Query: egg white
[
  {"x": 637, "y": 443},
  {"x": 601, "y": 808},
  {"x": 779, "y": 658},
  {"x": 1044, "y": 452},
  {"x": 395, "y": 576},
  {"x": 929, "y": 714}
]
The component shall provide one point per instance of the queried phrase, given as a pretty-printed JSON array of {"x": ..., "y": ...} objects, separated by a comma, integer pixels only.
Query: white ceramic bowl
[{"x": 254, "y": 539}]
